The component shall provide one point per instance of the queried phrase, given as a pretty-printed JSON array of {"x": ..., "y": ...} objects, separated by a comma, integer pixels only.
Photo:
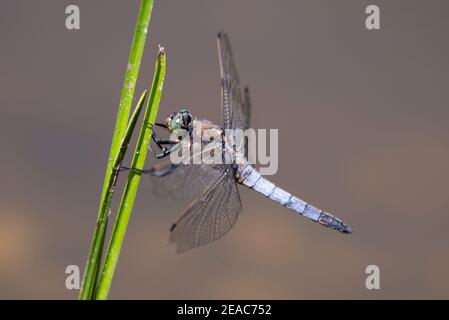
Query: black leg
[
  {"x": 166, "y": 151},
  {"x": 161, "y": 125},
  {"x": 159, "y": 172},
  {"x": 153, "y": 171},
  {"x": 160, "y": 142}
]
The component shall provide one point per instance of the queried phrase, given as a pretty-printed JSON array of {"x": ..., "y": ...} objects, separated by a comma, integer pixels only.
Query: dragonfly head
[{"x": 180, "y": 120}]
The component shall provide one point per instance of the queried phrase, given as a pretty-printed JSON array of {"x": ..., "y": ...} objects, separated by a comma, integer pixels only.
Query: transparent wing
[
  {"x": 246, "y": 110},
  {"x": 183, "y": 181},
  {"x": 210, "y": 216},
  {"x": 235, "y": 112}
]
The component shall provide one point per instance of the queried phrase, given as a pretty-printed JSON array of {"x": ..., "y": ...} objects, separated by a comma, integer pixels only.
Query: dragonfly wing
[
  {"x": 181, "y": 181},
  {"x": 246, "y": 110},
  {"x": 210, "y": 216},
  {"x": 235, "y": 111}
]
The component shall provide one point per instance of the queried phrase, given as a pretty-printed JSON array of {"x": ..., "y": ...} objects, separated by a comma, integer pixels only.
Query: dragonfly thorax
[{"x": 180, "y": 120}]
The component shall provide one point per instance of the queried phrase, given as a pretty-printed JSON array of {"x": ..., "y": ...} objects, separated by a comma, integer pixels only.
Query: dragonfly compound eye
[
  {"x": 175, "y": 122},
  {"x": 187, "y": 120}
]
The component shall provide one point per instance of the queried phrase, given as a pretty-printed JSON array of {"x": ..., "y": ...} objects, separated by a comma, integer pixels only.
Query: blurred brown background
[{"x": 363, "y": 118}]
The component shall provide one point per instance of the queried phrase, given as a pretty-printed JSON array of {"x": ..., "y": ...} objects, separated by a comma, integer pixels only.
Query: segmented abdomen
[{"x": 247, "y": 175}]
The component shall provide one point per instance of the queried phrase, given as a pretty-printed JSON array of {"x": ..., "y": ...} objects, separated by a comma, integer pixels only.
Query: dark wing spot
[{"x": 173, "y": 226}]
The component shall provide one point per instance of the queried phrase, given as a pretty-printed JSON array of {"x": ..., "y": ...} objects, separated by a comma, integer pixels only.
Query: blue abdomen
[{"x": 247, "y": 175}]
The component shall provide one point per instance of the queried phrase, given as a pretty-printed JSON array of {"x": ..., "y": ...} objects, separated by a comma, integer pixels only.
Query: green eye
[{"x": 177, "y": 121}]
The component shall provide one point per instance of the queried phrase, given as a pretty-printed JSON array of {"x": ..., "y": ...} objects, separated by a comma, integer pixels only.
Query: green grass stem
[
  {"x": 132, "y": 184},
  {"x": 129, "y": 84}
]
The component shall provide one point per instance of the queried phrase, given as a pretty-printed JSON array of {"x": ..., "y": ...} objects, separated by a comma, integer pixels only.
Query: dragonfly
[{"x": 214, "y": 187}]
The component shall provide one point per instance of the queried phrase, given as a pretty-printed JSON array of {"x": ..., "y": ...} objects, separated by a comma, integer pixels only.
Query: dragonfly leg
[
  {"x": 161, "y": 125},
  {"x": 154, "y": 171},
  {"x": 159, "y": 172},
  {"x": 166, "y": 151},
  {"x": 160, "y": 142},
  {"x": 123, "y": 168},
  {"x": 166, "y": 146}
]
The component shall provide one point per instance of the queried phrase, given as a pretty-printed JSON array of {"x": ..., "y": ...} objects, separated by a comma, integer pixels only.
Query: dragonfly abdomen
[{"x": 247, "y": 175}]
